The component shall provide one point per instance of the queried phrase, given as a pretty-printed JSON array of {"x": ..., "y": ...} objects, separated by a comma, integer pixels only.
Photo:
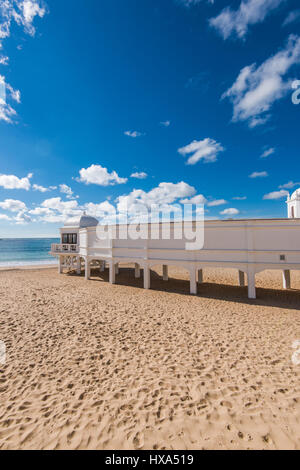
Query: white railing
[{"x": 64, "y": 248}]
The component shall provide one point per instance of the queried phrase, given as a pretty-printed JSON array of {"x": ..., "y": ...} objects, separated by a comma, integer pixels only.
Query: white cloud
[
  {"x": 44, "y": 214},
  {"x": 54, "y": 210},
  {"x": 268, "y": 152},
  {"x": 165, "y": 123},
  {"x": 239, "y": 198},
  {"x": 190, "y": 3},
  {"x": 159, "y": 197},
  {"x": 133, "y": 134},
  {"x": 39, "y": 188},
  {"x": 23, "y": 12},
  {"x": 165, "y": 197},
  {"x": 64, "y": 189},
  {"x": 7, "y": 112},
  {"x": 276, "y": 195},
  {"x": 54, "y": 218},
  {"x": 258, "y": 121},
  {"x": 139, "y": 175},
  {"x": 22, "y": 218},
  {"x": 198, "y": 199},
  {"x": 206, "y": 150},
  {"x": 292, "y": 17},
  {"x": 236, "y": 22},
  {"x": 258, "y": 174},
  {"x": 256, "y": 89},
  {"x": 99, "y": 210},
  {"x": 32, "y": 8},
  {"x": 230, "y": 211},
  {"x": 13, "y": 205},
  {"x": 41, "y": 211},
  {"x": 96, "y": 174},
  {"x": 4, "y": 217},
  {"x": 289, "y": 185},
  {"x": 15, "y": 94},
  {"x": 61, "y": 206},
  {"x": 217, "y": 202},
  {"x": 4, "y": 60},
  {"x": 13, "y": 182}
]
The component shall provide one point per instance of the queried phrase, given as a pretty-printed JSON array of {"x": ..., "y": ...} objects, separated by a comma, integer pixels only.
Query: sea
[{"x": 16, "y": 252}]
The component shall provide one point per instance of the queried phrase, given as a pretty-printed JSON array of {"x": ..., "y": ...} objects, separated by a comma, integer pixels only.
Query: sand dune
[{"x": 95, "y": 366}]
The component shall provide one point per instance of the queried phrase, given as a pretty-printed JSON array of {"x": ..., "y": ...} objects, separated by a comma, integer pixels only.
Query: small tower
[{"x": 293, "y": 204}]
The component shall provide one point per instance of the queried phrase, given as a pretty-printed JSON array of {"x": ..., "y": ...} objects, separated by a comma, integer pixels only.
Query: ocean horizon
[{"x": 16, "y": 252}]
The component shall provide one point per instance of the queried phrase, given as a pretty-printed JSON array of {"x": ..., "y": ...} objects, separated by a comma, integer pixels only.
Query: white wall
[
  {"x": 232, "y": 243},
  {"x": 293, "y": 206}
]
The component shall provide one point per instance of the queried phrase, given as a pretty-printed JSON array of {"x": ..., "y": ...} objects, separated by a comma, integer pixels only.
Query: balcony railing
[{"x": 64, "y": 248}]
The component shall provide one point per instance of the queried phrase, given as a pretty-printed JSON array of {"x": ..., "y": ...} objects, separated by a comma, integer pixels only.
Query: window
[
  {"x": 282, "y": 257},
  {"x": 69, "y": 238},
  {"x": 293, "y": 212}
]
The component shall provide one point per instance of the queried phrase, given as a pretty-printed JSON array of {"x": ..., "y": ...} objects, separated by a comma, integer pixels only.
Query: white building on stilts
[{"x": 250, "y": 246}]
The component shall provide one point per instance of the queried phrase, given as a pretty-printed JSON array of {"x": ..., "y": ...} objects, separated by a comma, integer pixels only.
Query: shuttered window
[{"x": 69, "y": 238}]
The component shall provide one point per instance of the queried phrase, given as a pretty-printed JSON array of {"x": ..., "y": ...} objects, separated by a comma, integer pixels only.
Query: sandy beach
[{"x": 95, "y": 366}]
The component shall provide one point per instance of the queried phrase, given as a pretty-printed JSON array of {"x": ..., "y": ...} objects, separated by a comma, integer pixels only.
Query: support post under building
[
  {"x": 112, "y": 272},
  {"x": 137, "y": 272},
  {"x": 87, "y": 273},
  {"x": 60, "y": 265},
  {"x": 78, "y": 265},
  {"x": 165, "y": 273},
  {"x": 286, "y": 278},
  {"x": 241, "y": 278},
  {"x": 146, "y": 277},
  {"x": 251, "y": 284},
  {"x": 193, "y": 281}
]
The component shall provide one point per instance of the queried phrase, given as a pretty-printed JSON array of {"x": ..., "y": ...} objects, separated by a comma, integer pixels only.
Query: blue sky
[{"x": 158, "y": 101}]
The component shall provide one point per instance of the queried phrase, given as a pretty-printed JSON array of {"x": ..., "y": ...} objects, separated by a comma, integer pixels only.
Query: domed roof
[
  {"x": 296, "y": 194},
  {"x": 87, "y": 221},
  {"x": 81, "y": 222}
]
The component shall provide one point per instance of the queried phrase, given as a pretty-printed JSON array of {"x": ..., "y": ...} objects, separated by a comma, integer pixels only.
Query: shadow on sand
[{"x": 289, "y": 299}]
